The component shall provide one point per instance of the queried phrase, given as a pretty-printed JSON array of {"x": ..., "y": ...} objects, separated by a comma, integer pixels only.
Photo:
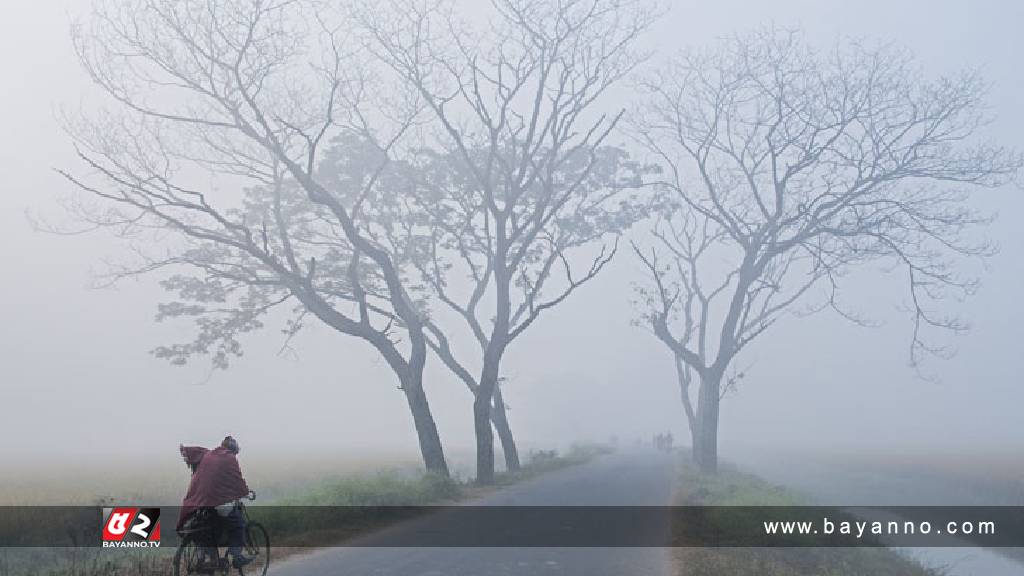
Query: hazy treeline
[{"x": 432, "y": 185}]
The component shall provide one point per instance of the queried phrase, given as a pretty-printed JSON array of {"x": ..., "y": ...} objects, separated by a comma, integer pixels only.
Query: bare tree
[
  {"x": 405, "y": 219},
  {"x": 217, "y": 96},
  {"x": 455, "y": 242},
  {"x": 788, "y": 167},
  {"x": 531, "y": 177}
]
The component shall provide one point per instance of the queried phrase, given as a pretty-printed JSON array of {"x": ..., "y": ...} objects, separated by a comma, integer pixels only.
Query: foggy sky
[{"x": 76, "y": 378}]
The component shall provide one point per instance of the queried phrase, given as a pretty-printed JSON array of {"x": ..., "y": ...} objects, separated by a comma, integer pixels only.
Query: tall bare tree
[
  {"x": 455, "y": 242},
  {"x": 216, "y": 96},
  {"x": 516, "y": 111},
  {"x": 406, "y": 224},
  {"x": 787, "y": 168}
]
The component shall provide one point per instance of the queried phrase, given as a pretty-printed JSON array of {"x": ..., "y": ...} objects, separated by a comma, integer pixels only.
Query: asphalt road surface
[{"x": 642, "y": 478}]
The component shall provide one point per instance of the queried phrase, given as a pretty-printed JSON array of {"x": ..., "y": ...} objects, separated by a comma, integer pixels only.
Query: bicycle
[{"x": 201, "y": 538}]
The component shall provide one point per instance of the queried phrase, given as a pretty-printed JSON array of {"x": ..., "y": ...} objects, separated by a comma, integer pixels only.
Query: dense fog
[{"x": 79, "y": 383}]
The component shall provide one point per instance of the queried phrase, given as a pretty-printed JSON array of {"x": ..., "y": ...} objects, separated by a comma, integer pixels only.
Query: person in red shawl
[{"x": 217, "y": 482}]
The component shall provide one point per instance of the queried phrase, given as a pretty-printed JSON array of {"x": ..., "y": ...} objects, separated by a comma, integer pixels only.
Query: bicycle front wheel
[{"x": 257, "y": 547}]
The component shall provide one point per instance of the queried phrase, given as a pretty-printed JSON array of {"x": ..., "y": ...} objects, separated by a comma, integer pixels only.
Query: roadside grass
[
  {"x": 382, "y": 489},
  {"x": 340, "y": 509},
  {"x": 82, "y": 562},
  {"x": 730, "y": 487},
  {"x": 733, "y": 487},
  {"x": 353, "y": 506},
  {"x": 290, "y": 514},
  {"x": 796, "y": 562},
  {"x": 543, "y": 461}
]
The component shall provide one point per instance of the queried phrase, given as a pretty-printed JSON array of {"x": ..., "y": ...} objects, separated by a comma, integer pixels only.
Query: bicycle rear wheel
[
  {"x": 257, "y": 547},
  {"x": 191, "y": 558}
]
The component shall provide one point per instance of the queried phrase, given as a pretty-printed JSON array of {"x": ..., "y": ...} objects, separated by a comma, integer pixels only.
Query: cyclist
[{"x": 217, "y": 483}]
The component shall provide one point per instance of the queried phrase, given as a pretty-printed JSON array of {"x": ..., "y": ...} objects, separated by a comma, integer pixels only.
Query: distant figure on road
[
  {"x": 663, "y": 442},
  {"x": 217, "y": 483}
]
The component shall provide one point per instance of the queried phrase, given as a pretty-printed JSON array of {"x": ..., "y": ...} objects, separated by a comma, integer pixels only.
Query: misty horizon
[{"x": 81, "y": 357}]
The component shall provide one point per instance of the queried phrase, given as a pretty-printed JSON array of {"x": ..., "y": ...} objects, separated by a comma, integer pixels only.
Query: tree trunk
[
  {"x": 501, "y": 426},
  {"x": 493, "y": 353},
  {"x": 705, "y": 450},
  {"x": 484, "y": 440},
  {"x": 482, "y": 416},
  {"x": 426, "y": 429},
  {"x": 685, "y": 378}
]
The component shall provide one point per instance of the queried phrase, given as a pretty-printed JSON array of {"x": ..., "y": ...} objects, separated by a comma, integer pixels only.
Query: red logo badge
[{"x": 131, "y": 527}]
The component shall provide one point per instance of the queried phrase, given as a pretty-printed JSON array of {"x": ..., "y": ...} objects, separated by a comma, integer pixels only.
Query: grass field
[
  {"x": 162, "y": 482},
  {"x": 732, "y": 487},
  {"x": 365, "y": 483},
  {"x": 904, "y": 478}
]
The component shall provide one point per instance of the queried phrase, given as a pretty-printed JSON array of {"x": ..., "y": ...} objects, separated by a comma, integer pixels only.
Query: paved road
[{"x": 622, "y": 479}]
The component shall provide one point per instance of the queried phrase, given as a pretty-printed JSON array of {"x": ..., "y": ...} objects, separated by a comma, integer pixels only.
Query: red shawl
[{"x": 217, "y": 480}]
